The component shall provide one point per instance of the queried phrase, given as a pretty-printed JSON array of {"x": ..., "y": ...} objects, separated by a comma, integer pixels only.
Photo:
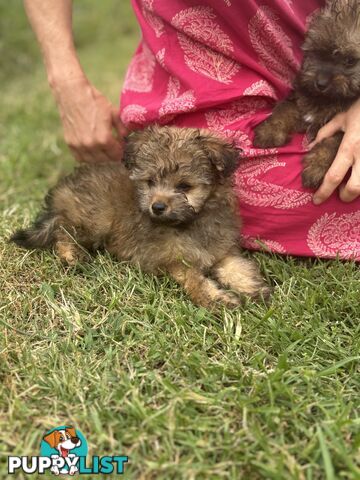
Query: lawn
[{"x": 263, "y": 392}]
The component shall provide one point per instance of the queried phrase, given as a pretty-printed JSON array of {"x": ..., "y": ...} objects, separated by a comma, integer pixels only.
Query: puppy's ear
[
  {"x": 71, "y": 431},
  {"x": 51, "y": 439},
  {"x": 222, "y": 154},
  {"x": 130, "y": 151},
  {"x": 133, "y": 143}
]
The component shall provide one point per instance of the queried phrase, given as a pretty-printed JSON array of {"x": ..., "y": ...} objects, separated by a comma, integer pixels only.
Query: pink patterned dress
[{"x": 221, "y": 64}]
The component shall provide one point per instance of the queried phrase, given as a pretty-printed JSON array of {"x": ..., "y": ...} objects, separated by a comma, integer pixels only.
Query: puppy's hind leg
[
  {"x": 202, "y": 290},
  {"x": 241, "y": 275},
  {"x": 67, "y": 248}
]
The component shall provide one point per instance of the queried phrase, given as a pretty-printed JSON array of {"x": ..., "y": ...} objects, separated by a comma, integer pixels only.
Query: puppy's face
[
  {"x": 331, "y": 65},
  {"x": 63, "y": 440},
  {"x": 175, "y": 170}
]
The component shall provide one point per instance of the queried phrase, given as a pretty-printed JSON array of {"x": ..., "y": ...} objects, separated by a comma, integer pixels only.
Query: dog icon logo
[
  {"x": 64, "y": 451},
  {"x": 64, "y": 445}
]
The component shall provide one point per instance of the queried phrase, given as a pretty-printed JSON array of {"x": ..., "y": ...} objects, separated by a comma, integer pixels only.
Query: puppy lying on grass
[
  {"x": 169, "y": 208},
  {"x": 327, "y": 84}
]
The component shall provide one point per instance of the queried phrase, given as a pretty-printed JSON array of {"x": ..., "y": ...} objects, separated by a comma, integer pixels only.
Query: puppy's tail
[{"x": 39, "y": 235}]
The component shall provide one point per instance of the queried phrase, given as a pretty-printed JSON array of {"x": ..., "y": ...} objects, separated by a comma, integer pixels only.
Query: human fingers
[
  {"x": 113, "y": 151},
  {"x": 86, "y": 155},
  {"x": 335, "y": 125},
  {"x": 334, "y": 175},
  {"x": 351, "y": 190},
  {"x": 120, "y": 128}
]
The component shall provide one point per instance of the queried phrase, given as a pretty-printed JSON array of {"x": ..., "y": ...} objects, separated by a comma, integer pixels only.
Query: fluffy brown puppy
[
  {"x": 327, "y": 84},
  {"x": 169, "y": 208}
]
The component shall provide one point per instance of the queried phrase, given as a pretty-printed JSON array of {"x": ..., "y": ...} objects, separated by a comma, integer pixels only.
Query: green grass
[{"x": 258, "y": 393}]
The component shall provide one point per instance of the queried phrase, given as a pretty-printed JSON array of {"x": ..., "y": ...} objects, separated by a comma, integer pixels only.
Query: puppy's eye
[
  {"x": 351, "y": 61},
  {"x": 150, "y": 182},
  {"x": 61, "y": 438},
  {"x": 183, "y": 187}
]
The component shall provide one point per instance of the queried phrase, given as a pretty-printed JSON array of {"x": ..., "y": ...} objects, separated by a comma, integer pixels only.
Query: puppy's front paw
[
  {"x": 256, "y": 289},
  {"x": 268, "y": 136},
  {"x": 314, "y": 170},
  {"x": 264, "y": 293},
  {"x": 213, "y": 297},
  {"x": 311, "y": 179},
  {"x": 228, "y": 299}
]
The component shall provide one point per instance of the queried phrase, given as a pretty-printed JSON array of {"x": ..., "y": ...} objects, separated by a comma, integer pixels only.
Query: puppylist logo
[{"x": 63, "y": 451}]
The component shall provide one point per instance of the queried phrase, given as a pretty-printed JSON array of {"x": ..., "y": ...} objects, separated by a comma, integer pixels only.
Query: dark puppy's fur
[
  {"x": 328, "y": 83},
  {"x": 171, "y": 208}
]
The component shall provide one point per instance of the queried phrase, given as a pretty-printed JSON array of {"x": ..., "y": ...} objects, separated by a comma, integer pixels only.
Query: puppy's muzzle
[
  {"x": 158, "y": 208},
  {"x": 322, "y": 82}
]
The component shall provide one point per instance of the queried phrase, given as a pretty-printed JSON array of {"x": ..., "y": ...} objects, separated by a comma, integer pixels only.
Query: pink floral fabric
[{"x": 221, "y": 64}]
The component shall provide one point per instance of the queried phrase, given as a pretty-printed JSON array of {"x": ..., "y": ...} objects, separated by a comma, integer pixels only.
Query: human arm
[
  {"x": 348, "y": 156},
  {"x": 87, "y": 116}
]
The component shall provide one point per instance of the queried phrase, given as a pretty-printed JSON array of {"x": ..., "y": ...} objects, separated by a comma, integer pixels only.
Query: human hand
[
  {"x": 348, "y": 156},
  {"x": 89, "y": 120}
]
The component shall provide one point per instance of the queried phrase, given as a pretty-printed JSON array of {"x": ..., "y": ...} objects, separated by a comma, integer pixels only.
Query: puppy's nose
[
  {"x": 158, "y": 208},
  {"x": 322, "y": 82},
  {"x": 74, "y": 439}
]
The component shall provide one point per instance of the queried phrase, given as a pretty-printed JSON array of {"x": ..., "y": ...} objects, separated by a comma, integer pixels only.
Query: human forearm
[
  {"x": 88, "y": 118},
  {"x": 51, "y": 21}
]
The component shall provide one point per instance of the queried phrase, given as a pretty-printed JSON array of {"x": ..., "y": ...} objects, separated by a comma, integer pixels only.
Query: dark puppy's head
[
  {"x": 331, "y": 65},
  {"x": 175, "y": 170}
]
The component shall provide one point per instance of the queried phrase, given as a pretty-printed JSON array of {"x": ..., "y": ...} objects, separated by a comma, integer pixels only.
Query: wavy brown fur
[{"x": 195, "y": 235}]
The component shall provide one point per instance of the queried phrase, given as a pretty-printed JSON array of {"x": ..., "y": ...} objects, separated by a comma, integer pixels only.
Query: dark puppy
[
  {"x": 328, "y": 83},
  {"x": 171, "y": 208}
]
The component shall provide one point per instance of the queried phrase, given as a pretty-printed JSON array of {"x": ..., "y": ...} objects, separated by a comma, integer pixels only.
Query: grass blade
[{"x": 329, "y": 469}]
